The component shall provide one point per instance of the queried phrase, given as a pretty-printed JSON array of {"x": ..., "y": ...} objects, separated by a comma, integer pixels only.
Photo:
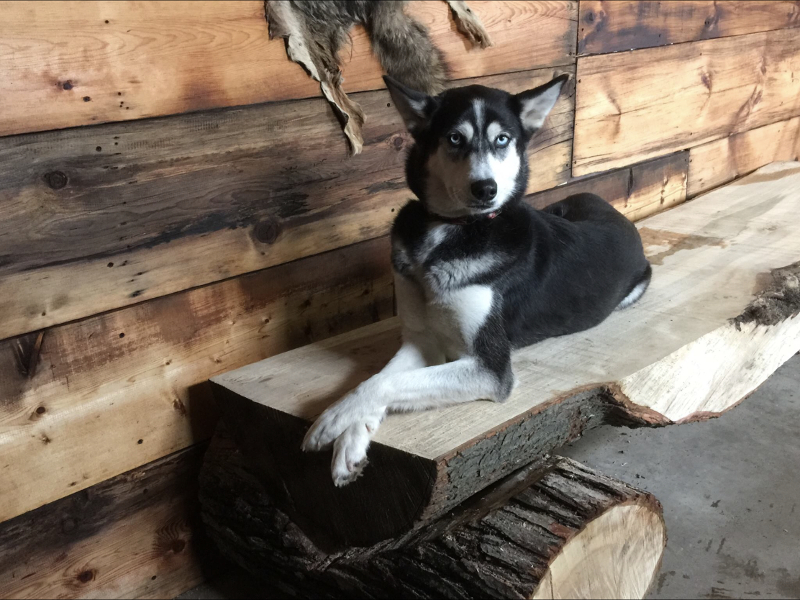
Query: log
[
  {"x": 719, "y": 318},
  {"x": 556, "y": 530}
]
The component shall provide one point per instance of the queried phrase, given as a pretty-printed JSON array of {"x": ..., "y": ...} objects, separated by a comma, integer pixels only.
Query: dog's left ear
[
  {"x": 534, "y": 105},
  {"x": 415, "y": 107}
]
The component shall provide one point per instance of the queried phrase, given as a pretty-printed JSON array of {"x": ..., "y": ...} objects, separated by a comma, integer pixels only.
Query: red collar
[{"x": 465, "y": 220}]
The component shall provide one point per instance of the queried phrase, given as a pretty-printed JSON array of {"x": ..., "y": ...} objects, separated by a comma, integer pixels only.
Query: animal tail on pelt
[{"x": 405, "y": 49}]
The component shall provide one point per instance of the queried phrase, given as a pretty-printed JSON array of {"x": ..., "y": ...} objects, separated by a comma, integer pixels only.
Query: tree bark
[{"x": 557, "y": 529}]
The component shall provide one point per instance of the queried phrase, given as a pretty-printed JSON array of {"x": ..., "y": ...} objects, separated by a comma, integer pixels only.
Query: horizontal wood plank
[
  {"x": 636, "y": 105},
  {"x": 721, "y": 161},
  {"x": 139, "y": 210},
  {"x": 637, "y": 192},
  {"x": 80, "y": 63},
  {"x": 98, "y": 397},
  {"x": 132, "y": 536},
  {"x": 629, "y": 24}
]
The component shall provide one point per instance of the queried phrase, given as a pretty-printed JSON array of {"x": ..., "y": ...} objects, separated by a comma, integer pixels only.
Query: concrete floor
[{"x": 730, "y": 488}]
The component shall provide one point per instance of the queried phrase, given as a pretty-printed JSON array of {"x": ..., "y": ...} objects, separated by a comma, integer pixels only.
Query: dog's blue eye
[
  {"x": 502, "y": 140},
  {"x": 455, "y": 138}
]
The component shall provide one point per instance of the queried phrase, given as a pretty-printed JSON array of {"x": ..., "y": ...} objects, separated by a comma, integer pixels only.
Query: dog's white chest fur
[
  {"x": 440, "y": 302},
  {"x": 456, "y": 316}
]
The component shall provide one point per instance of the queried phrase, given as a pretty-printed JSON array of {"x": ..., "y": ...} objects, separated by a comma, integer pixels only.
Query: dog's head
[{"x": 469, "y": 156}]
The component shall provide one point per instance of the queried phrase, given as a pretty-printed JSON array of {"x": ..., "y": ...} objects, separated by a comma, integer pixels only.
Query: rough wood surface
[
  {"x": 149, "y": 208},
  {"x": 606, "y": 26},
  {"x": 88, "y": 400},
  {"x": 133, "y": 536},
  {"x": 632, "y": 106},
  {"x": 543, "y": 532},
  {"x": 721, "y": 161},
  {"x": 637, "y": 192},
  {"x": 81, "y": 63},
  {"x": 675, "y": 356}
]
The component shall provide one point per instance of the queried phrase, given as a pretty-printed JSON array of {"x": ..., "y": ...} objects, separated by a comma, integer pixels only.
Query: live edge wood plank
[
  {"x": 96, "y": 218},
  {"x": 605, "y": 26},
  {"x": 632, "y": 106},
  {"x": 81, "y": 63},
  {"x": 132, "y": 536},
  {"x": 104, "y": 395},
  {"x": 722, "y": 313}
]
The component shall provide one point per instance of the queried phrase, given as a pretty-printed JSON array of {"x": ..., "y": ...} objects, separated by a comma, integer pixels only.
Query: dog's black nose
[{"x": 484, "y": 190}]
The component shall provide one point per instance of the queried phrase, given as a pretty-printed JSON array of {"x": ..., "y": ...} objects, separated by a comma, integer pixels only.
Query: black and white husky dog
[{"x": 478, "y": 272}]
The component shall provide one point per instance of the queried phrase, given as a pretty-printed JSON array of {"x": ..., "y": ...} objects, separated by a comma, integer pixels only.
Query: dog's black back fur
[{"x": 567, "y": 267}]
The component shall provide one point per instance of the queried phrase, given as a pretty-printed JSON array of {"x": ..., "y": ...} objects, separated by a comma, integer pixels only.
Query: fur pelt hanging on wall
[{"x": 315, "y": 31}]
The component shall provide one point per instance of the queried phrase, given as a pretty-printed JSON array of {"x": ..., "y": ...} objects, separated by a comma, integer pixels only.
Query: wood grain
[
  {"x": 140, "y": 210},
  {"x": 721, "y": 314},
  {"x": 606, "y": 26},
  {"x": 81, "y": 63},
  {"x": 112, "y": 392},
  {"x": 633, "y": 106},
  {"x": 534, "y": 534},
  {"x": 721, "y": 161},
  {"x": 132, "y": 536},
  {"x": 637, "y": 192}
]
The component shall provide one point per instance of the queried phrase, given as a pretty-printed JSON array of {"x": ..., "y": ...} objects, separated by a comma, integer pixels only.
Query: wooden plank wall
[
  {"x": 81, "y": 63},
  {"x": 139, "y": 256},
  {"x": 635, "y": 105}
]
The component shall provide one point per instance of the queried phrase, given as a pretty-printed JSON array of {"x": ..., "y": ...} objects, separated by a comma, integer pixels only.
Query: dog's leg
[
  {"x": 419, "y": 349},
  {"x": 350, "y": 449},
  {"x": 353, "y": 420}
]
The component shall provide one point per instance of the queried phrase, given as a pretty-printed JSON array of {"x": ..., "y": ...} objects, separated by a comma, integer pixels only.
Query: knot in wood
[
  {"x": 267, "y": 231},
  {"x": 86, "y": 576},
  {"x": 55, "y": 179}
]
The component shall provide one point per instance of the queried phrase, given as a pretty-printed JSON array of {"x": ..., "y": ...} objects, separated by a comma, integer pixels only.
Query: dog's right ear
[{"x": 415, "y": 107}]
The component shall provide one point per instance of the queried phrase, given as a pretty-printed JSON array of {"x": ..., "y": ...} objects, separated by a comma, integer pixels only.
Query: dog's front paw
[
  {"x": 351, "y": 409},
  {"x": 350, "y": 450}
]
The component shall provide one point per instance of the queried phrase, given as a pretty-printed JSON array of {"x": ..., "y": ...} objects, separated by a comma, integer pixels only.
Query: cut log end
[
  {"x": 555, "y": 531},
  {"x": 616, "y": 556}
]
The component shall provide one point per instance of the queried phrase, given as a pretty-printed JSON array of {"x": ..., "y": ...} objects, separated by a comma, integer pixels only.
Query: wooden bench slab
[{"x": 719, "y": 318}]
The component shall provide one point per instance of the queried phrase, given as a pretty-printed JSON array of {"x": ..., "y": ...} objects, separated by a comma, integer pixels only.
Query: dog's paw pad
[
  {"x": 350, "y": 454},
  {"x": 352, "y": 472}
]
